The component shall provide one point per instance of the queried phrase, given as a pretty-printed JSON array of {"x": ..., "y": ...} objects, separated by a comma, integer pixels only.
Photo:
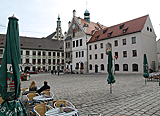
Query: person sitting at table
[
  {"x": 44, "y": 87},
  {"x": 33, "y": 86}
]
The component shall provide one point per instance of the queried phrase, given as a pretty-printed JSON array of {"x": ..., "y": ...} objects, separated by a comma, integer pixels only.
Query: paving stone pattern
[{"x": 91, "y": 93}]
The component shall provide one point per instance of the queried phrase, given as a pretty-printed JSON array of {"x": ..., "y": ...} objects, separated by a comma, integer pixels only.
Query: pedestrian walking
[{"x": 58, "y": 72}]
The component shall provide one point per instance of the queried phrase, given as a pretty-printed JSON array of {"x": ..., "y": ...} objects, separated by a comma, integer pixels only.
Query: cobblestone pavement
[{"x": 91, "y": 93}]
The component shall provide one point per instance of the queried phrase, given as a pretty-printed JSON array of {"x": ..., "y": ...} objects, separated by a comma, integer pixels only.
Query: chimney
[
  {"x": 69, "y": 24},
  {"x": 74, "y": 13}
]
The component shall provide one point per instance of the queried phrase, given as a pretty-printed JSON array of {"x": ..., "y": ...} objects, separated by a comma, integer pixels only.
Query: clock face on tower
[{"x": 73, "y": 26}]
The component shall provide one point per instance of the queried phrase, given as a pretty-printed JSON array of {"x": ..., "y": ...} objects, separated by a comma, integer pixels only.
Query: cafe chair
[
  {"x": 41, "y": 109},
  {"x": 1, "y": 100},
  {"x": 23, "y": 91},
  {"x": 65, "y": 103},
  {"x": 47, "y": 93}
]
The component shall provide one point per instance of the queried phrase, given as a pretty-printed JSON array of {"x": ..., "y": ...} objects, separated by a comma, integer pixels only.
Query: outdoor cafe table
[
  {"x": 55, "y": 112},
  {"x": 40, "y": 98}
]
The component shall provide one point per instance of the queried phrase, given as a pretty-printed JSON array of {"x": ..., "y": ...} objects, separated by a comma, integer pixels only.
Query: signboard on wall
[{"x": 108, "y": 48}]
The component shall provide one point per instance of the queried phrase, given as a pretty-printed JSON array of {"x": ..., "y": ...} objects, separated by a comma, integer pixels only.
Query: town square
[
  {"x": 91, "y": 93},
  {"x": 79, "y": 58}
]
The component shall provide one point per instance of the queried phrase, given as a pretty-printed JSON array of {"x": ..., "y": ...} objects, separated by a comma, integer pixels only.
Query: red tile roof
[
  {"x": 91, "y": 26},
  {"x": 132, "y": 26}
]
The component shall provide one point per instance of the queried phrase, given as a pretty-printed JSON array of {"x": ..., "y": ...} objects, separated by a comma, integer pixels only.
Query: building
[
  {"x": 39, "y": 54},
  {"x": 75, "y": 43},
  {"x": 129, "y": 41},
  {"x": 158, "y": 53},
  {"x": 57, "y": 35}
]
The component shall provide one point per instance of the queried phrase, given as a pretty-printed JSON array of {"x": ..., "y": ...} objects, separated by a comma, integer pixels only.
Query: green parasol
[
  {"x": 110, "y": 76},
  {"x": 145, "y": 68},
  {"x": 10, "y": 73}
]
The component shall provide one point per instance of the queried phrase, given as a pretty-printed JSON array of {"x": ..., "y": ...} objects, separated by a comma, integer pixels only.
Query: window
[
  {"x": 133, "y": 40},
  {"x": 116, "y": 54},
  {"x": 21, "y": 52},
  {"x": 54, "y": 54},
  {"x": 147, "y": 28},
  {"x": 66, "y": 54},
  {"x": 44, "y": 61},
  {"x": 82, "y": 53},
  {"x": 124, "y": 41},
  {"x": 76, "y": 54},
  {"x": 79, "y": 54},
  {"x": 116, "y": 43},
  {"x": 76, "y": 43},
  {"x": 90, "y": 47},
  {"x": 124, "y": 53},
  {"x": 116, "y": 67},
  {"x": 73, "y": 34},
  {"x": 66, "y": 44},
  {"x": 101, "y": 44},
  {"x": 80, "y": 42},
  {"x": 135, "y": 67},
  {"x": 134, "y": 53},
  {"x": 95, "y": 46},
  {"x": 44, "y": 53},
  {"x": 77, "y": 66},
  {"x": 33, "y": 61},
  {"x": 101, "y": 55},
  {"x": 102, "y": 66},
  {"x": 125, "y": 67},
  {"x": 95, "y": 56},
  {"x": 150, "y": 30},
  {"x": 90, "y": 57},
  {"x": 73, "y": 44},
  {"x": 63, "y": 54},
  {"x": 49, "y": 61},
  {"x": 39, "y": 53},
  {"x": 54, "y": 61},
  {"x": 1, "y": 51},
  {"x": 49, "y": 53},
  {"x": 27, "y": 52},
  {"x": 90, "y": 67},
  {"x": 27, "y": 60},
  {"x": 58, "y": 54},
  {"x": 53, "y": 67}
]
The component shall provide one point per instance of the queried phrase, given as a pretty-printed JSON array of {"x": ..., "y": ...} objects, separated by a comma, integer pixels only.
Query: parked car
[{"x": 32, "y": 72}]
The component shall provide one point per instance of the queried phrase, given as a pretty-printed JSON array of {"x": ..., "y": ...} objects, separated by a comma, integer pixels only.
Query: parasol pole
[
  {"x": 145, "y": 81},
  {"x": 111, "y": 88}
]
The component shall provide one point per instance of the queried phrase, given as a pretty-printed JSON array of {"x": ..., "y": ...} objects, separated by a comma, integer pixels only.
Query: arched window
[
  {"x": 135, "y": 67},
  {"x": 116, "y": 67},
  {"x": 81, "y": 65},
  {"x": 125, "y": 67},
  {"x": 77, "y": 66},
  {"x": 90, "y": 67},
  {"x": 102, "y": 66}
]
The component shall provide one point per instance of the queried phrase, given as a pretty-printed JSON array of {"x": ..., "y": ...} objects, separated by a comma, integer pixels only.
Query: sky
[{"x": 38, "y": 18}]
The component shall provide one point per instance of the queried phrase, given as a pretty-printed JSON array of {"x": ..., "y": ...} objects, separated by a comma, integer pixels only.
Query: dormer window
[
  {"x": 97, "y": 37},
  {"x": 105, "y": 31},
  {"x": 97, "y": 28},
  {"x": 109, "y": 34},
  {"x": 124, "y": 30},
  {"x": 121, "y": 26}
]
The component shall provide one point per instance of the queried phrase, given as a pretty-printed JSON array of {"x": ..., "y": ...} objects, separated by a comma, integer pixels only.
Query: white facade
[{"x": 145, "y": 44}]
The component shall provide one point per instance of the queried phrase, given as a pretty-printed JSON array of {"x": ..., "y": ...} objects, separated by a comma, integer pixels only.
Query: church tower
[
  {"x": 59, "y": 30},
  {"x": 87, "y": 16}
]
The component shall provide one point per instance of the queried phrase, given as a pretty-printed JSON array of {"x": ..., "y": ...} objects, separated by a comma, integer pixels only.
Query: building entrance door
[
  {"x": 27, "y": 68},
  {"x": 96, "y": 68}
]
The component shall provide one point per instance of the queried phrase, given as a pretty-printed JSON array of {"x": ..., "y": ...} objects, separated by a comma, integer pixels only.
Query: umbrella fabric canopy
[
  {"x": 10, "y": 73},
  {"x": 145, "y": 66},
  {"x": 110, "y": 76}
]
